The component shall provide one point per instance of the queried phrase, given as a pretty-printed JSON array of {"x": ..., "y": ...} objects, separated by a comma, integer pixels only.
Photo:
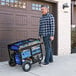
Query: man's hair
[{"x": 44, "y": 6}]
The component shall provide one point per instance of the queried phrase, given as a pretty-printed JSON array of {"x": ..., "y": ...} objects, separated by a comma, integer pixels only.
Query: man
[{"x": 46, "y": 31}]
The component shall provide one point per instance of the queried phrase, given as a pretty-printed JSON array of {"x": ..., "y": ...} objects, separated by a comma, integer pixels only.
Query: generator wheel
[
  {"x": 26, "y": 66},
  {"x": 12, "y": 63}
]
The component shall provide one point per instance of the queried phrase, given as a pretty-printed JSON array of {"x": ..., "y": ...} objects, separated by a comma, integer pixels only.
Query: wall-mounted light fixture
[{"x": 65, "y": 5}]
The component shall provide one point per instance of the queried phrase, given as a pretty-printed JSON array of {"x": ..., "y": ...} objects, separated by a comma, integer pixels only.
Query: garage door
[{"x": 19, "y": 19}]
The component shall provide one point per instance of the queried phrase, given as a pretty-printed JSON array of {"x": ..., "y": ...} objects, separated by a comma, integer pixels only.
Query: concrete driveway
[{"x": 62, "y": 66}]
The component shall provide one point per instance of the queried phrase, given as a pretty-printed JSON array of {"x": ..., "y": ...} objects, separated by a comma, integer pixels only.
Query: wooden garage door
[{"x": 19, "y": 19}]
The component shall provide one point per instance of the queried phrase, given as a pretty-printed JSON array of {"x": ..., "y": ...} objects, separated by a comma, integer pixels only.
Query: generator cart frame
[{"x": 29, "y": 56}]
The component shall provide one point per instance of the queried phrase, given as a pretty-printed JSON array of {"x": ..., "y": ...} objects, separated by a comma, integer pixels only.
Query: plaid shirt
[{"x": 47, "y": 25}]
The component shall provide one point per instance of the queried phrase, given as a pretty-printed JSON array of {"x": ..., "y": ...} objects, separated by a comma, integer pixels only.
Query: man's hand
[
  {"x": 39, "y": 37},
  {"x": 52, "y": 38}
]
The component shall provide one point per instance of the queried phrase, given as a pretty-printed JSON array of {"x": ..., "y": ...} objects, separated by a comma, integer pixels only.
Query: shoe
[{"x": 45, "y": 63}]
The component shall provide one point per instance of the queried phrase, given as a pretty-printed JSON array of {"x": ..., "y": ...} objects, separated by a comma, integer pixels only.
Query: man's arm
[
  {"x": 52, "y": 25},
  {"x": 40, "y": 28}
]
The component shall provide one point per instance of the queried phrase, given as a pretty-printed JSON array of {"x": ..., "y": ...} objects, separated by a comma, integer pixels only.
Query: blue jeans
[{"x": 48, "y": 50}]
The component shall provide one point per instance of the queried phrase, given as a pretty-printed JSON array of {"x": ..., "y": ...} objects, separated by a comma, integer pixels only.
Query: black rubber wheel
[
  {"x": 12, "y": 63},
  {"x": 26, "y": 66},
  {"x": 12, "y": 60}
]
